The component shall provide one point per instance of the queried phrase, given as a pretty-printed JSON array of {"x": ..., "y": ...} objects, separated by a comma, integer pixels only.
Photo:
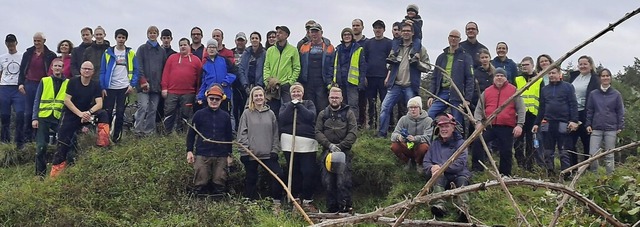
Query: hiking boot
[
  {"x": 438, "y": 210},
  {"x": 57, "y": 169},
  {"x": 308, "y": 207}
]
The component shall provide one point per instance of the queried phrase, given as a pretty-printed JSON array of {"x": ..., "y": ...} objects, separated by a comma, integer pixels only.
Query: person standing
[
  {"x": 403, "y": 79},
  {"x": 47, "y": 110},
  {"x": 335, "y": 130},
  {"x": 376, "y": 51},
  {"x": 472, "y": 45},
  {"x": 281, "y": 69},
  {"x": 252, "y": 63},
  {"x": 94, "y": 52},
  {"x": 258, "y": 131},
  {"x": 10, "y": 94},
  {"x": 82, "y": 103},
  {"x": 271, "y": 40},
  {"x": 33, "y": 67},
  {"x": 502, "y": 61},
  {"x": 350, "y": 69},
  {"x": 525, "y": 152},
  {"x": 118, "y": 77},
  {"x": 197, "y": 48},
  {"x": 585, "y": 80},
  {"x": 65, "y": 47},
  {"x": 210, "y": 160},
  {"x": 151, "y": 58},
  {"x": 411, "y": 138},
  {"x": 304, "y": 171},
  {"x": 167, "y": 38},
  {"x": 77, "y": 54},
  {"x": 357, "y": 26},
  {"x": 180, "y": 77},
  {"x": 606, "y": 103},
  {"x": 217, "y": 70},
  {"x": 316, "y": 61},
  {"x": 240, "y": 93},
  {"x": 507, "y": 124},
  {"x": 557, "y": 117}
]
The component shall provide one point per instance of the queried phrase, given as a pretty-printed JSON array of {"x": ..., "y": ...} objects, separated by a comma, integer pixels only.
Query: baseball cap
[
  {"x": 378, "y": 23},
  {"x": 316, "y": 26},
  {"x": 215, "y": 90},
  {"x": 284, "y": 28},
  {"x": 166, "y": 32},
  {"x": 241, "y": 35},
  {"x": 10, "y": 38}
]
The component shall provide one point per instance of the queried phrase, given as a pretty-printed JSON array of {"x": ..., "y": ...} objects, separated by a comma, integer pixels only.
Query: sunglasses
[{"x": 214, "y": 99}]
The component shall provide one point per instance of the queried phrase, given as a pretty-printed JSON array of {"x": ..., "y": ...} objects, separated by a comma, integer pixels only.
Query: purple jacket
[
  {"x": 440, "y": 151},
  {"x": 609, "y": 109}
]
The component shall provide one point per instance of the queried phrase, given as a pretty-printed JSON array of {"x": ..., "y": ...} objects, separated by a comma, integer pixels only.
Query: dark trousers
[
  {"x": 10, "y": 96},
  {"x": 69, "y": 124},
  {"x": 30, "y": 88},
  {"x": 581, "y": 134},
  {"x": 523, "y": 145},
  {"x": 338, "y": 185},
  {"x": 502, "y": 136},
  {"x": 552, "y": 139},
  {"x": 45, "y": 129},
  {"x": 317, "y": 93},
  {"x": 362, "y": 108},
  {"x": 115, "y": 97},
  {"x": 239, "y": 101},
  {"x": 304, "y": 174},
  {"x": 375, "y": 90},
  {"x": 174, "y": 106},
  {"x": 251, "y": 178}
]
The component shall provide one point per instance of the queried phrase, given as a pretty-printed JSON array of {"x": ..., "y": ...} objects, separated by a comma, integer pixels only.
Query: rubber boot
[
  {"x": 102, "y": 140},
  {"x": 438, "y": 208},
  {"x": 57, "y": 169}
]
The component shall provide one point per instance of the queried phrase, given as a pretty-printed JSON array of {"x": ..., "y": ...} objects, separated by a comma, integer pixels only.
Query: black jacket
[
  {"x": 594, "y": 83},
  {"x": 306, "y": 122},
  {"x": 214, "y": 125},
  {"x": 94, "y": 55},
  {"x": 336, "y": 127},
  {"x": 77, "y": 57},
  {"x": 26, "y": 60}
]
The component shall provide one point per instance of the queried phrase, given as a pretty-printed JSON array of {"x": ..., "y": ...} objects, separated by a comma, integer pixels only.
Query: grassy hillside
[{"x": 142, "y": 182}]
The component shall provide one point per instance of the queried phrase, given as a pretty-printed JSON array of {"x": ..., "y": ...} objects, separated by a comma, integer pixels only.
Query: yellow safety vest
[
  {"x": 354, "y": 69},
  {"x": 130, "y": 57},
  {"x": 531, "y": 95},
  {"x": 51, "y": 103}
]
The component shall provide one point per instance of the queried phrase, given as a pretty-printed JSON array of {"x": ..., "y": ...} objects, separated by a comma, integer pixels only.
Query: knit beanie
[
  {"x": 501, "y": 71},
  {"x": 212, "y": 42},
  {"x": 350, "y": 32},
  {"x": 413, "y": 7},
  {"x": 415, "y": 101}
]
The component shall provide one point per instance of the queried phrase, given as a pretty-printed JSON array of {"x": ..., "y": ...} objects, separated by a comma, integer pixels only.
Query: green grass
[{"x": 143, "y": 182}]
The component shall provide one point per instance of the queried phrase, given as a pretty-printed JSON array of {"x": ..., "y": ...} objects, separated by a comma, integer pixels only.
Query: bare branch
[{"x": 596, "y": 157}]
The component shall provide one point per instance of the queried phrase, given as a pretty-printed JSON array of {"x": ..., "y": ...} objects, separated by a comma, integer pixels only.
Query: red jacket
[
  {"x": 181, "y": 74},
  {"x": 494, "y": 97},
  {"x": 226, "y": 53}
]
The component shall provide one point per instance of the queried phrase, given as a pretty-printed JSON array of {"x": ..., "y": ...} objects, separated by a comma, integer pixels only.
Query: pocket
[
  {"x": 544, "y": 127},
  {"x": 562, "y": 127}
]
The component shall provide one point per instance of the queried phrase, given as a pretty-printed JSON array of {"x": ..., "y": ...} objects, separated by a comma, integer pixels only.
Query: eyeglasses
[
  {"x": 86, "y": 69},
  {"x": 454, "y": 37},
  {"x": 406, "y": 31},
  {"x": 214, "y": 99},
  {"x": 194, "y": 34}
]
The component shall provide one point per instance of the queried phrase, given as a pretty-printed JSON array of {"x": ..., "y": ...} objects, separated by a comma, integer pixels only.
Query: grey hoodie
[
  {"x": 258, "y": 131},
  {"x": 420, "y": 127}
]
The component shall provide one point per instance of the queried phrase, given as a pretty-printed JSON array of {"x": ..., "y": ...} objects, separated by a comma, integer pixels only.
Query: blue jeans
[
  {"x": 30, "y": 88},
  {"x": 146, "y": 114},
  {"x": 393, "y": 95},
  {"x": 10, "y": 96},
  {"x": 439, "y": 107}
]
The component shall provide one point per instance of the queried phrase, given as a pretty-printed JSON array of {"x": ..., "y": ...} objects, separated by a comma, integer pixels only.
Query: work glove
[{"x": 334, "y": 148}]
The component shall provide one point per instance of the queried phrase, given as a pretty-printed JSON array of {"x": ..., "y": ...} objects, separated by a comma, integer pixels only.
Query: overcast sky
[{"x": 529, "y": 27}]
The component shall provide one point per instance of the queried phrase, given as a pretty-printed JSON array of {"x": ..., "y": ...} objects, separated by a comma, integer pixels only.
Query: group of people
[{"x": 280, "y": 97}]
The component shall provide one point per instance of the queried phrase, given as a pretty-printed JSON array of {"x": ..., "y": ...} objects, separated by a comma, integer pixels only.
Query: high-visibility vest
[
  {"x": 354, "y": 70},
  {"x": 51, "y": 103},
  {"x": 531, "y": 95},
  {"x": 130, "y": 57}
]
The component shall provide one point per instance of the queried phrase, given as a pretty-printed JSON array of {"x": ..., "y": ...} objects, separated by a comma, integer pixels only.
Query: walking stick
[{"x": 293, "y": 148}]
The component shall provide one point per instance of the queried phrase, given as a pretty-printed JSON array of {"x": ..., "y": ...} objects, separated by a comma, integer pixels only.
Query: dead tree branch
[{"x": 596, "y": 157}]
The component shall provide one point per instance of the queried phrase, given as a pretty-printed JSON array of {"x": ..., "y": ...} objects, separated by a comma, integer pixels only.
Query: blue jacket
[
  {"x": 439, "y": 152},
  {"x": 216, "y": 72},
  {"x": 414, "y": 72},
  {"x": 344, "y": 62},
  {"x": 483, "y": 79},
  {"x": 508, "y": 65},
  {"x": 609, "y": 109},
  {"x": 106, "y": 68},
  {"x": 461, "y": 72},
  {"x": 328, "y": 54},
  {"x": 243, "y": 69},
  {"x": 557, "y": 103},
  {"x": 215, "y": 125}
]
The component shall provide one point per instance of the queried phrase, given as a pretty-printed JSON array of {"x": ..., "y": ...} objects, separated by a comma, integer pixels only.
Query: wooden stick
[
  {"x": 275, "y": 176},
  {"x": 425, "y": 189},
  {"x": 473, "y": 188},
  {"x": 596, "y": 157},
  {"x": 293, "y": 149}
]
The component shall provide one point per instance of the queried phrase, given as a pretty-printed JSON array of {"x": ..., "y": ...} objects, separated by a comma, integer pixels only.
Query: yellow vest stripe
[
  {"x": 354, "y": 68},
  {"x": 130, "y": 57},
  {"x": 51, "y": 103}
]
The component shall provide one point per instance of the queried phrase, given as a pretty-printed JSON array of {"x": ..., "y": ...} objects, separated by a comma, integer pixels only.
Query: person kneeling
[
  {"x": 411, "y": 138},
  {"x": 442, "y": 148},
  {"x": 211, "y": 159}
]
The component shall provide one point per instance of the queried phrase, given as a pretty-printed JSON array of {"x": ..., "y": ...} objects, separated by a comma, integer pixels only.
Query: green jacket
[{"x": 283, "y": 65}]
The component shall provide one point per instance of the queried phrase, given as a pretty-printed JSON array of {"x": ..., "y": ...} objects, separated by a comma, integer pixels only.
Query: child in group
[{"x": 416, "y": 21}]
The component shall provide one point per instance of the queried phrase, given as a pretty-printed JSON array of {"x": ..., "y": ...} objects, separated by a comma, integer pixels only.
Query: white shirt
[
  {"x": 120, "y": 74},
  {"x": 10, "y": 67},
  {"x": 580, "y": 84}
]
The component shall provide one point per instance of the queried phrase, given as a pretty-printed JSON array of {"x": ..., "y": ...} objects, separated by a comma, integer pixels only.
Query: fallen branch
[
  {"x": 472, "y": 188},
  {"x": 386, "y": 220},
  {"x": 425, "y": 189},
  {"x": 275, "y": 176},
  {"x": 598, "y": 156}
]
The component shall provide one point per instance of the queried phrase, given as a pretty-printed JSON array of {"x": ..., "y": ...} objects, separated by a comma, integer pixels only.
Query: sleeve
[
  {"x": 232, "y": 73},
  {"x": 259, "y": 70},
  {"x": 165, "y": 74},
  {"x": 620, "y": 112},
  {"x": 23, "y": 67},
  {"x": 352, "y": 128},
  {"x": 541, "y": 107},
  {"x": 296, "y": 67},
  {"x": 362, "y": 67},
  {"x": 140, "y": 64},
  {"x": 243, "y": 131},
  {"x": 191, "y": 134},
  {"x": 266, "y": 70},
  {"x": 478, "y": 114},
  {"x": 285, "y": 114},
  {"x": 424, "y": 65},
  {"x": 589, "y": 108},
  {"x": 468, "y": 77},
  {"x": 434, "y": 77},
  {"x": 427, "y": 133},
  {"x": 136, "y": 74},
  {"x": 320, "y": 137},
  {"x": 243, "y": 67},
  {"x": 460, "y": 163},
  {"x": 75, "y": 62},
  {"x": 103, "y": 71},
  {"x": 427, "y": 162},
  {"x": 521, "y": 110},
  {"x": 275, "y": 141},
  {"x": 330, "y": 58},
  {"x": 417, "y": 27},
  {"x": 395, "y": 135},
  {"x": 36, "y": 102},
  {"x": 573, "y": 103},
  {"x": 203, "y": 86},
  {"x": 307, "y": 111}
]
